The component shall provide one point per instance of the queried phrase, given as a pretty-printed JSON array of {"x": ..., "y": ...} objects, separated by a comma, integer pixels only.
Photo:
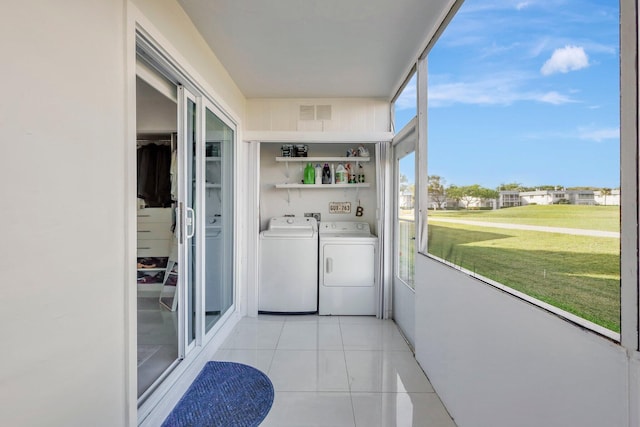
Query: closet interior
[{"x": 157, "y": 248}]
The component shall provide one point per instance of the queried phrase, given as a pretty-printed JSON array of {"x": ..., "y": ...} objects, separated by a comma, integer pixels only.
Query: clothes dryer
[
  {"x": 348, "y": 282},
  {"x": 288, "y": 278}
]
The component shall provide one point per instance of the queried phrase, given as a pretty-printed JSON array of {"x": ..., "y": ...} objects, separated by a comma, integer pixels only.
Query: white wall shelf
[
  {"x": 322, "y": 159},
  {"x": 323, "y": 186}
]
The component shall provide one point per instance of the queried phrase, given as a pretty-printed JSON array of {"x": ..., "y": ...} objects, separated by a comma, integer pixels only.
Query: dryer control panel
[{"x": 345, "y": 227}]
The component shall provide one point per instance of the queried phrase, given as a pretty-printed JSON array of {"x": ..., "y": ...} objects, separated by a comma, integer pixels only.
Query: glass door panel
[
  {"x": 218, "y": 247},
  {"x": 404, "y": 231},
  {"x": 158, "y": 347},
  {"x": 405, "y": 217},
  {"x": 187, "y": 178}
]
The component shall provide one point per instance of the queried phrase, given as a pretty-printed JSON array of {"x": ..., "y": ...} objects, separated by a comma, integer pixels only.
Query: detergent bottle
[
  {"x": 326, "y": 174},
  {"x": 341, "y": 174},
  {"x": 309, "y": 174}
]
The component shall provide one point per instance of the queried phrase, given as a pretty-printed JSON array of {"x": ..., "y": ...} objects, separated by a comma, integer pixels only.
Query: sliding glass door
[
  {"x": 195, "y": 287},
  {"x": 217, "y": 217},
  {"x": 206, "y": 217}
]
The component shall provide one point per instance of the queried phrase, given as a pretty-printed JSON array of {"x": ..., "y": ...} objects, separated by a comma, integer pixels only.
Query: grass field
[
  {"x": 605, "y": 218},
  {"x": 579, "y": 274}
]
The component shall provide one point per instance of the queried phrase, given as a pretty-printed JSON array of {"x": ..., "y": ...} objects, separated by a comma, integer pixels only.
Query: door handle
[
  {"x": 190, "y": 222},
  {"x": 328, "y": 265},
  {"x": 180, "y": 222}
]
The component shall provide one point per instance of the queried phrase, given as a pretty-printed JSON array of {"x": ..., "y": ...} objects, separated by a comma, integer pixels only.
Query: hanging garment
[{"x": 154, "y": 181}]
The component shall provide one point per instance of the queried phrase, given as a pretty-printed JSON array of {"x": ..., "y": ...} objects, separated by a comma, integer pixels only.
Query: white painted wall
[
  {"x": 62, "y": 323},
  {"x": 65, "y": 122},
  {"x": 498, "y": 361},
  {"x": 404, "y": 308},
  {"x": 177, "y": 29},
  {"x": 274, "y": 202},
  {"x": 347, "y": 115}
]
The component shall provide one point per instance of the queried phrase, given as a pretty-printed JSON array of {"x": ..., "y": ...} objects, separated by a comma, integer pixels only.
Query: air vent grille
[{"x": 315, "y": 112}]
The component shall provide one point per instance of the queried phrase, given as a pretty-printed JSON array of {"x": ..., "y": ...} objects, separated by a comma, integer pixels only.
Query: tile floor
[
  {"x": 157, "y": 340},
  {"x": 336, "y": 371}
]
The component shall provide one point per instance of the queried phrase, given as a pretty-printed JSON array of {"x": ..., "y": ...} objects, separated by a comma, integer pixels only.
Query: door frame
[
  {"x": 402, "y": 295},
  {"x": 169, "y": 63}
]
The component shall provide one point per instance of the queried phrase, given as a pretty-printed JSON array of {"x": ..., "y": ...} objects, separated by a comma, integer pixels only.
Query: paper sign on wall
[{"x": 340, "y": 207}]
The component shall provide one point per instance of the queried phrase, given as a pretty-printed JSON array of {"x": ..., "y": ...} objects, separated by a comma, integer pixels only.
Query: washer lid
[{"x": 291, "y": 227}]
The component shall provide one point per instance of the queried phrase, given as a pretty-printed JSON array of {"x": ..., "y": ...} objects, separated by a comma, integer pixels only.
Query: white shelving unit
[
  {"x": 322, "y": 159},
  {"x": 323, "y": 186},
  {"x": 290, "y": 186}
]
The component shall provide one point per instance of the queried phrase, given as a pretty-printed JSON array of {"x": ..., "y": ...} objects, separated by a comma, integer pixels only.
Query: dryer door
[{"x": 349, "y": 264}]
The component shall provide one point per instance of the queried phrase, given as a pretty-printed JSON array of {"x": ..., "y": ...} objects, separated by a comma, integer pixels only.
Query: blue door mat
[{"x": 224, "y": 394}]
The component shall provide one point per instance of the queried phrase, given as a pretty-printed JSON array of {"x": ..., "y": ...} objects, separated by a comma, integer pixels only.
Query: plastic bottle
[
  {"x": 333, "y": 174},
  {"x": 318, "y": 174},
  {"x": 349, "y": 173},
  {"x": 360, "y": 173},
  {"x": 341, "y": 174},
  {"x": 326, "y": 174},
  {"x": 309, "y": 174}
]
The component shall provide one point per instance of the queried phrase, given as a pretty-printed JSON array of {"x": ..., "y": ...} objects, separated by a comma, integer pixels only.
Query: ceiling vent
[
  {"x": 307, "y": 112},
  {"x": 315, "y": 112},
  {"x": 323, "y": 112}
]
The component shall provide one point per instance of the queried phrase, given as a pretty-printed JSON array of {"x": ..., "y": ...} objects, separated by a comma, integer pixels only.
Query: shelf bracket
[{"x": 286, "y": 170}]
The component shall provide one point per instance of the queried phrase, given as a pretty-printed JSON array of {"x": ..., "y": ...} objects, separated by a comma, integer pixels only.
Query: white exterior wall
[
  {"x": 537, "y": 197},
  {"x": 498, "y": 361},
  {"x": 612, "y": 199},
  {"x": 63, "y": 246},
  {"x": 68, "y": 260}
]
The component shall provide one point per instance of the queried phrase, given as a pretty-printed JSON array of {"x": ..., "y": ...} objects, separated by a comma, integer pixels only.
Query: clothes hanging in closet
[{"x": 154, "y": 178}]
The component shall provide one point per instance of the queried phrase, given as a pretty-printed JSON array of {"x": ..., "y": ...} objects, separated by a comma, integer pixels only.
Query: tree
[
  {"x": 454, "y": 193},
  {"x": 436, "y": 191},
  {"x": 469, "y": 194},
  {"x": 605, "y": 192},
  {"x": 475, "y": 192},
  {"x": 404, "y": 183},
  {"x": 512, "y": 186}
]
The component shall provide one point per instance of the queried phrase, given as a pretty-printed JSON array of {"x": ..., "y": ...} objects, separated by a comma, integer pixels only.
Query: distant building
[
  {"x": 612, "y": 199},
  {"x": 509, "y": 199},
  {"x": 543, "y": 197},
  {"x": 512, "y": 198}
]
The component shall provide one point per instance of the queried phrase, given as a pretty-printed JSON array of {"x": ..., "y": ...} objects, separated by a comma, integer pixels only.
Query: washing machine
[
  {"x": 347, "y": 273},
  {"x": 288, "y": 277}
]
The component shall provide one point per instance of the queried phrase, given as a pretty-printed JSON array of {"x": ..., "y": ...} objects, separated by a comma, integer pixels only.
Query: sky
[{"x": 524, "y": 91}]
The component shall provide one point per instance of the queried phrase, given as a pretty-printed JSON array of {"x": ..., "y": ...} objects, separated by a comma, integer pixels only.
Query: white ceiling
[{"x": 316, "y": 48}]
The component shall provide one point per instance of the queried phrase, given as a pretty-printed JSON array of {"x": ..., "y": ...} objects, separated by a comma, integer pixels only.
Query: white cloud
[
  {"x": 563, "y": 60},
  {"x": 554, "y": 98},
  {"x": 522, "y": 5},
  {"x": 493, "y": 90},
  {"x": 599, "y": 135}
]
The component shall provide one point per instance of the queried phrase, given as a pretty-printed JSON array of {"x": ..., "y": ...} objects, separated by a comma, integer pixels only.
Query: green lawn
[
  {"x": 579, "y": 274},
  {"x": 605, "y": 218}
]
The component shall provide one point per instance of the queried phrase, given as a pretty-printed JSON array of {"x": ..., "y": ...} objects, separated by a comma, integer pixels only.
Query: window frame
[{"x": 629, "y": 337}]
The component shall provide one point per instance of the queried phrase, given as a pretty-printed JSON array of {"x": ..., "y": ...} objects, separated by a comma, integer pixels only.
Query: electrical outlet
[{"x": 315, "y": 215}]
